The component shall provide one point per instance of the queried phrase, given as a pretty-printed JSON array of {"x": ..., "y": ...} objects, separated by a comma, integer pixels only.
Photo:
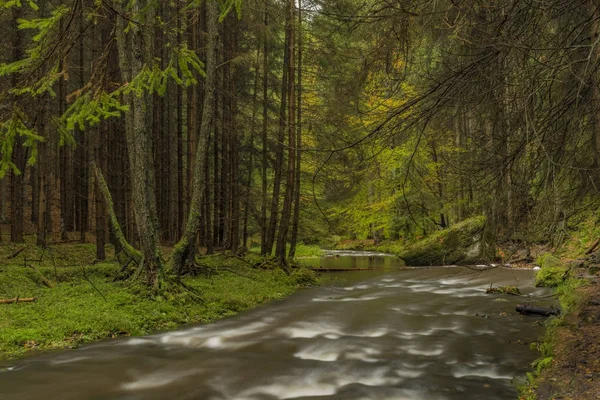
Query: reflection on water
[
  {"x": 430, "y": 333},
  {"x": 342, "y": 259}
]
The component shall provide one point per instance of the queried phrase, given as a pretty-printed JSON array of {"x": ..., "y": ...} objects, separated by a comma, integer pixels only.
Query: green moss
[
  {"x": 458, "y": 244},
  {"x": 570, "y": 301},
  {"x": 552, "y": 273},
  {"x": 304, "y": 277},
  {"x": 513, "y": 290},
  {"x": 85, "y": 304}
]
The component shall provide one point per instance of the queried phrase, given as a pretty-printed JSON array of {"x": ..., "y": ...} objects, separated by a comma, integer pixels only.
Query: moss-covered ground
[{"x": 85, "y": 303}]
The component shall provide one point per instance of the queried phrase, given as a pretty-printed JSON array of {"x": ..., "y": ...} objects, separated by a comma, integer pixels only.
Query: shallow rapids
[{"x": 427, "y": 333}]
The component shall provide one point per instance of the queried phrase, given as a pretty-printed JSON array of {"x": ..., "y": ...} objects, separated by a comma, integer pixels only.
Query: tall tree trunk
[
  {"x": 296, "y": 216},
  {"x": 291, "y": 125},
  {"x": 279, "y": 146},
  {"x": 234, "y": 191},
  {"x": 594, "y": 14},
  {"x": 18, "y": 156},
  {"x": 135, "y": 51},
  {"x": 99, "y": 203},
  {"x": 251, "y": 150},
  {"x": 80, "y": 169},
  {"x": 188, "y": 240},
  {"x": 265, "y": 142},
  {"x": 177, "y": 187}
]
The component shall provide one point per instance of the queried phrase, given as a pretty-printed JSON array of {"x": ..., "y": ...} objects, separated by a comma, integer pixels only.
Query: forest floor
[
  {"x": 77, "y": 300},
  {"x": 574, "y": 373}
]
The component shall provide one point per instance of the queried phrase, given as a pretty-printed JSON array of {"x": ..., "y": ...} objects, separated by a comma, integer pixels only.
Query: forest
[
  {"x": 226, "y": 125},
  {"x": 157, "y": 134}
]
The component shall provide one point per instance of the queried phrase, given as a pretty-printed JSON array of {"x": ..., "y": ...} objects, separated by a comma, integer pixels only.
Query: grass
[
  {"x": 302, "y": 250},
  {"x": 85, "y": 305}
]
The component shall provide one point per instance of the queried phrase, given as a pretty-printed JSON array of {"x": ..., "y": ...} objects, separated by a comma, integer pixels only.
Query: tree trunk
[
  {"x": 278, "y": 167},
  {"x": 265, "y": 142},
  {"x": 281, "y": 251},
  {"x": 99, "y": 204},
  {"x": 594, "y": 13},
  {"x": 251, "y": 150},
  {"x": 135, "y": 51},
  {"x": 296, "y": 217},
  {"x": 127, "y": 248},
  {"x": 18, "y": 156},
  {"x": 188, "y": 240}
]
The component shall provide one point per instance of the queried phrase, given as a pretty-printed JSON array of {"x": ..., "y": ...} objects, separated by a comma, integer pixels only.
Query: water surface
[{"x": 426, "y": 333}]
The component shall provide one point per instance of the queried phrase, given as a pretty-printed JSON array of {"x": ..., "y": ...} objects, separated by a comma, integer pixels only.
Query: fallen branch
[
  {"x": 525, "y": 309},
  {"x": 92, "y": 283},
  {"x": 593, "y": 246},
  {"x": 18, "y": 300},
  {"x": 16, "y": 253},
  {"x": 525, "y": 260},
  {"x": 512, "y": 290},
  {"x": 45, "y": 280},
  {"x": 123, "y": 268}
]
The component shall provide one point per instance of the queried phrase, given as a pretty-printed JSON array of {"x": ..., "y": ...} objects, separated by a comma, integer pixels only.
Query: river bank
[
  {"x": 569, "y": 363},
  {"x": 568, "y": 366},
  {"x": 75, "y": 300}
]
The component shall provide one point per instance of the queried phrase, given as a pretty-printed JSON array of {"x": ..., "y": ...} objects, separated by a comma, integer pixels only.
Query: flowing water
[{"x": 420, "y": 333}]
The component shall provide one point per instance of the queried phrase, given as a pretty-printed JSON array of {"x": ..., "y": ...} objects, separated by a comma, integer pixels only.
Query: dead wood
[
  {"x": 18, "y": 300},
  {"x": 593, "y": 246},
  {"x": 16, "y": 253},
  {"x": 525, "y": 309},
  {"x": 44, "y": 280}
]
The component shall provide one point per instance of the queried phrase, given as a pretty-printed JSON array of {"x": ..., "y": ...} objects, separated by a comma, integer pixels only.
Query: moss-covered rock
[
  {"x": 304, "y": 277},
  {"x": 459, "y": 244},
  {"x": 552, "y": 271}
]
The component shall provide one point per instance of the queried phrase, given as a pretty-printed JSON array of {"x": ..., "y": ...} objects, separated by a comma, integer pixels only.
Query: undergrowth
[
  {"x": 570, "y": 301},
  {"x": 85, "y": 305}
]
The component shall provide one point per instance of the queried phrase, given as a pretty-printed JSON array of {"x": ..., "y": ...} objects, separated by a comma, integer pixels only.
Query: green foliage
[
  {"x": 89, "y": 110},
  {"x": 46, "y": 33},
  {"x": 304, "y": 277},
  {"x": 553, "y": 272},
  {"x": 12, "y": 130},
  {"x": 18, "y": 3},
  {"x": 570, "y": 300},
  {"x": 542, "y": 363},
  {"x": 568, "y": 296},
  {"x": 308, "y": 250}
]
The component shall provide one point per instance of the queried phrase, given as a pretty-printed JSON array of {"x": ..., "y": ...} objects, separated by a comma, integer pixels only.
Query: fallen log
[
  {"x": 16, "y": 253},
  {"x": 593, "y": 247},
  {"x": 44, "y": 280},
  {"x": 18, "y": 300},
  {"x": 525, "y": 309}
]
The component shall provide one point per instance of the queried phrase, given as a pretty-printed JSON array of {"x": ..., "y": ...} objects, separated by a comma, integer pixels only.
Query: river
[{"x": 417, "y": 333}]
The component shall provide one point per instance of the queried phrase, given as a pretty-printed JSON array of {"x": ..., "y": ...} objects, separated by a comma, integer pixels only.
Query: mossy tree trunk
[
  {"x": 135, "y": 45},
  {"x": 187, "y": 243},
  {"x": 119, "y": 236}
]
